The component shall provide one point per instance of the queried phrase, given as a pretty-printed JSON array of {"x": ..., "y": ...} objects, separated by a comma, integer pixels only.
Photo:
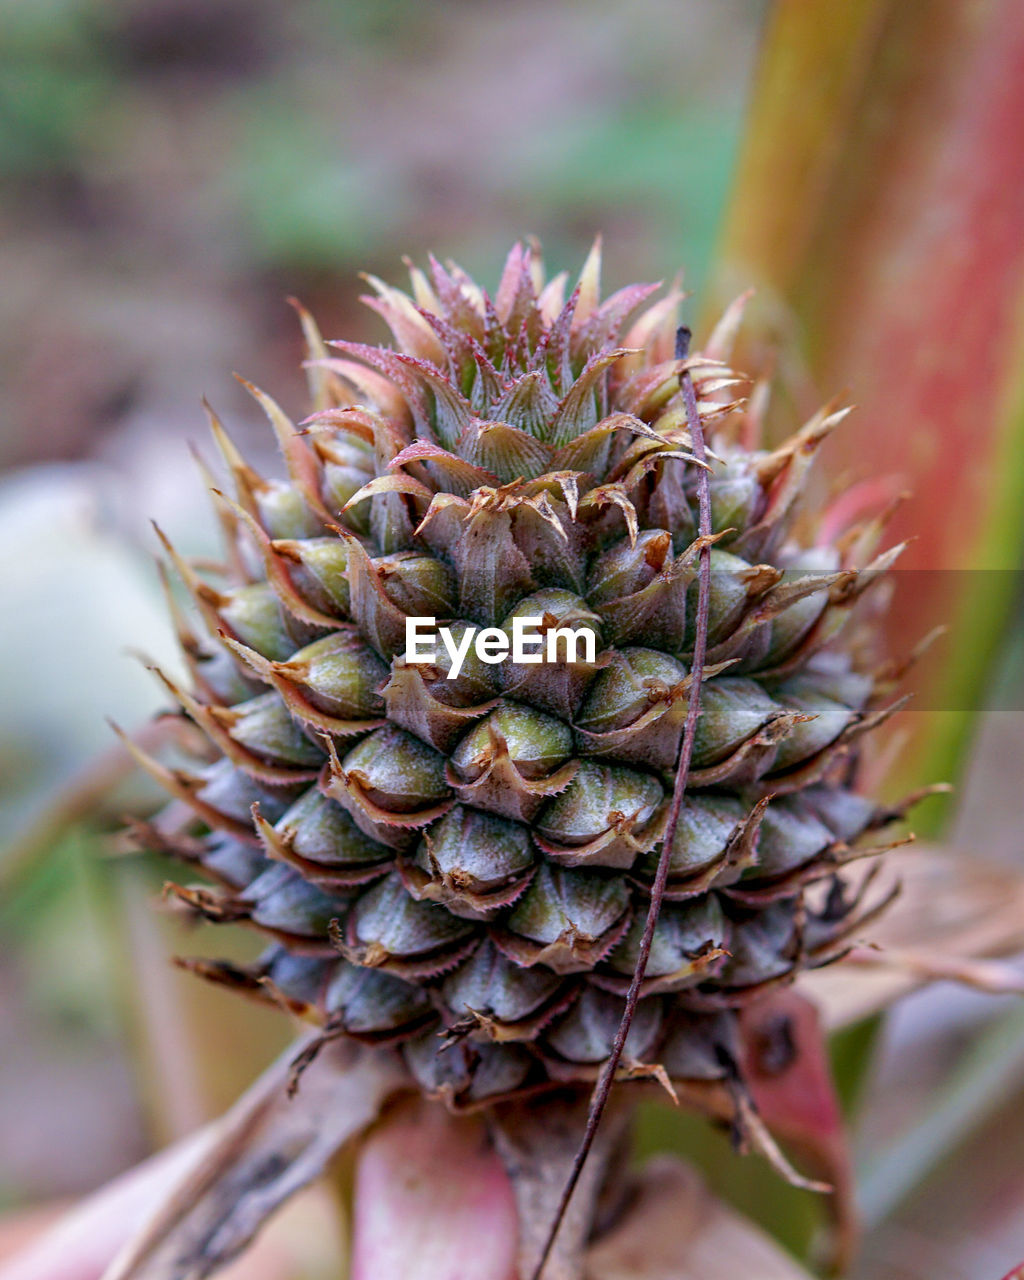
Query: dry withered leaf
[
  {"x": 955, "y": 913},
  {"x": 267, "y": 1147}
]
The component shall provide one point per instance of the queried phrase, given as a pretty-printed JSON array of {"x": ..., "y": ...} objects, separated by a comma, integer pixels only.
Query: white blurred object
[{"x": 75, "y": 598}]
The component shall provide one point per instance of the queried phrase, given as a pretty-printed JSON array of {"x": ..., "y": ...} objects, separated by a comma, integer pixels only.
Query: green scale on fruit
[{"x": 456, "y": 862}]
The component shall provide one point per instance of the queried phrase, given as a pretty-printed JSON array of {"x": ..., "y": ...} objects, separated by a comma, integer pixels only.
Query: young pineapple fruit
[{"x": 461, "y": 867}]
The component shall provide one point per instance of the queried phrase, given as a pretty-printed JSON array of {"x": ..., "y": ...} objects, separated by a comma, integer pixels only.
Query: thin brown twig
[{"x": 603, "y": 1087}]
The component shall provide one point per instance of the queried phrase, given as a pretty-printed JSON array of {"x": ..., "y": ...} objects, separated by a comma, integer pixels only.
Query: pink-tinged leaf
[
  {"x": 81, "y": 1244},
  {"x": 675, "y": 1229},
  {"x": 878, "y": 213},
  {"x": 787, "y": 1069},
  {"x": 432, "y": 1200},
  {"x": 269, "y": 1145},
  {"x": 305, "y": 1238}
]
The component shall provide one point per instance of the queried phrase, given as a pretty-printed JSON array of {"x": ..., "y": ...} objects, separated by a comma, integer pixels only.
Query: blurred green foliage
[
  {"x": 297, "y": 182},
  {"x": 54, "y": 73}
]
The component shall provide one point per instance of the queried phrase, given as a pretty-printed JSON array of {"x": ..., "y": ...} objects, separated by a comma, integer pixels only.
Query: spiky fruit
[{"x": 461, "y": 867}]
